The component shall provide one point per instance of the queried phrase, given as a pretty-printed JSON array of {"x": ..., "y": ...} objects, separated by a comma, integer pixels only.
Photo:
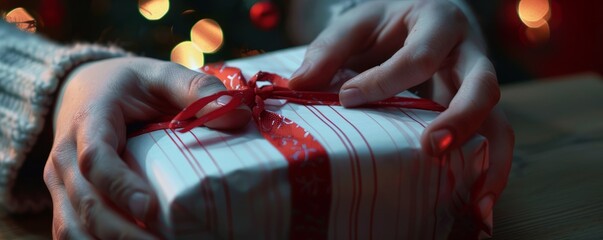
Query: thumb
[{"x": 182, "y": 86}]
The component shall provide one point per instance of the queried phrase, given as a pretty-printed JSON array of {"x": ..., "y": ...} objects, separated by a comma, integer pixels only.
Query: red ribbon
[
  {"x": 249, "y": 93},
  {"x": 306, "y": 157}
]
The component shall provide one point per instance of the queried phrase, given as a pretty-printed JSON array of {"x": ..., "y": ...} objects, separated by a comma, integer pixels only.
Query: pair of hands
[{"x": 396, "y": 46}]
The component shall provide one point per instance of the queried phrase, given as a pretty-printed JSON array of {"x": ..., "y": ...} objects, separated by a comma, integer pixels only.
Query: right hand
[{"x": 95, "y": 194}]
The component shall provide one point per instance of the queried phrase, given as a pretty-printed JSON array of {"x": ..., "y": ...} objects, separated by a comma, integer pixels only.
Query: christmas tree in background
[{"x": 190, "y": 32}]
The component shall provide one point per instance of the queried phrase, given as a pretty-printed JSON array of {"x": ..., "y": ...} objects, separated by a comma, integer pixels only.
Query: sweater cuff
[{"x": 30, "y": 71}]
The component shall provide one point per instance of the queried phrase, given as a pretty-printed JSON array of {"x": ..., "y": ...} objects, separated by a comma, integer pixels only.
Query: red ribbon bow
[{"x": 249, "y": 93}]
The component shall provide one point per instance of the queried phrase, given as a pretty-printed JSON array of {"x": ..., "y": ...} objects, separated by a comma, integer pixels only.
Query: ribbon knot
[{"x": 264, "y": 92}]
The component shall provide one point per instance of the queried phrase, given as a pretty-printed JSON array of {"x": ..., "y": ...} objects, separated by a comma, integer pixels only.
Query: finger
[
  {"x": 467, "y": 111},
  {"x": 99, "y": 219},
  {"x": 98, "y": 139},
  {"x": 501, "y": 140},
  {"x": 182, "y": 87},
  {"x": 351, "y": 34},
  {"x": 430, "y": 41},
  {"x": 65, "y": 221}
]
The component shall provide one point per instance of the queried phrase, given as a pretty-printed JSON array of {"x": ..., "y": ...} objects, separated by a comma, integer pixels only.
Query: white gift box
[{"x": 236, "y": 185}]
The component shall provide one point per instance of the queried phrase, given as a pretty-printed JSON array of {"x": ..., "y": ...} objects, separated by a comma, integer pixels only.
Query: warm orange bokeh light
[
  {"x": 22, "y": 19},
  {"x": 188, "y": 55},
  {"x": 207, "y": 35},
  {"x": 153, "y": 9},
  {"x": 534, "y": 13}
]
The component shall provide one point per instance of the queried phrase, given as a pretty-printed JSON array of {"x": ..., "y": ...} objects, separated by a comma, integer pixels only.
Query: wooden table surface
[{"x": 555, "y": 190}]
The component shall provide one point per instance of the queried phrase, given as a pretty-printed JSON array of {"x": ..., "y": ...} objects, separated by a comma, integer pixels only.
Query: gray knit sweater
[{"x": 31, "y": 69}]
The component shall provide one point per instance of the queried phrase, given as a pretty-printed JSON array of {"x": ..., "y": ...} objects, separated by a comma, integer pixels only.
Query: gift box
[{"x": 332, "y": 172}]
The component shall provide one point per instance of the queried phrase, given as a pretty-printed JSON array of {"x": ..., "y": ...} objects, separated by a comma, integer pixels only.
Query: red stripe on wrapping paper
[
  {"x": 253, "y": 196},
  {"x": 415, "y": 182},
  {"x": 272, "y": 185},
  {"x": 278, "y": 193},
  {"x": 353, "y": 162},
  {"x": 224, "y": 186},
  {"x": 441, "y": 161},
  {"x": 352, "y": 157},
  {"x": 210, "y": 210},
  {"x": 427, "y": 173},
  {"x": 310, "y": 125},
  {"x": 399, "y": 161},
  {"x": 167, "y": 156},
  {"x": 268, "y": 215},
  {"x": 347, "y": 145},
  {"x": 410, "y": 143},
  {"x": 375, "y": 180}
]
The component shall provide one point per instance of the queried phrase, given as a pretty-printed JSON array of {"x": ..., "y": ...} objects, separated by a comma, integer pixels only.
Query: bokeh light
[
  {"x": 207, "y": 35},
  {"x": 534, "y": 13},
  {"x": 188, "y": 55},
  {"x": 22, "y": 19},
  {"x": 264, "y": 15},
  {"x": 153, "y": 9}
]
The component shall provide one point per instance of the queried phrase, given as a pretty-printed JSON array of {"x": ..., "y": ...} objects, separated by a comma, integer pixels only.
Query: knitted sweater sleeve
[{"x": 30, "y": 72}]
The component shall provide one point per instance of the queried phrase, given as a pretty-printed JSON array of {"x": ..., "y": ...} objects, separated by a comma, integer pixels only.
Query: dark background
[{"x": 572, "y": 43}]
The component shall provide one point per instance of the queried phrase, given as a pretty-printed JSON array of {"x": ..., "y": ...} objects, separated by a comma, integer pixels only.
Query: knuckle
[
  {"x": 87, "y": 209},
  {"x": 120, "y": 187},
  {"x": 61, "y": 154},
  {"x": 318, "y": 45},
  {"x": 383, "y": 87},
  {"x": 87, "y": 158},
  {"x": 425, "y": 60},
  {"x": 49, "y": 175},
  {"x": 204, "y": 83},
  {"x": 489, "y": 82},
  {"x": 82, "y": 114}
]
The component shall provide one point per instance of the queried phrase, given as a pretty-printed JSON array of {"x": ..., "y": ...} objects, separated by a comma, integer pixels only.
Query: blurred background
[{"x": 528, "y": 39}]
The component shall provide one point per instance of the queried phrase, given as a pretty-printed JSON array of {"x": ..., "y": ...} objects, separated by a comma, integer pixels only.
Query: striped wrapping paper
[{"x": 235, "y": 185}]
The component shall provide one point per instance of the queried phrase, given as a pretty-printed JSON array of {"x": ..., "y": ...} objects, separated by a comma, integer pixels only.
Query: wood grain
[{"x": 555, "y": 190}]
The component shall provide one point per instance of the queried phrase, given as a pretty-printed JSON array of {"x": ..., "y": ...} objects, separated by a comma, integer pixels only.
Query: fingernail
[
  {"x": 440, "y": 141},
  {"x": 351, "y": 97},
  {"x": 486, "y": 205},
  {"x": 223, "y": 100},
  {"x": 301, "y": 70},
  {"x": 139, "y": 204}
]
